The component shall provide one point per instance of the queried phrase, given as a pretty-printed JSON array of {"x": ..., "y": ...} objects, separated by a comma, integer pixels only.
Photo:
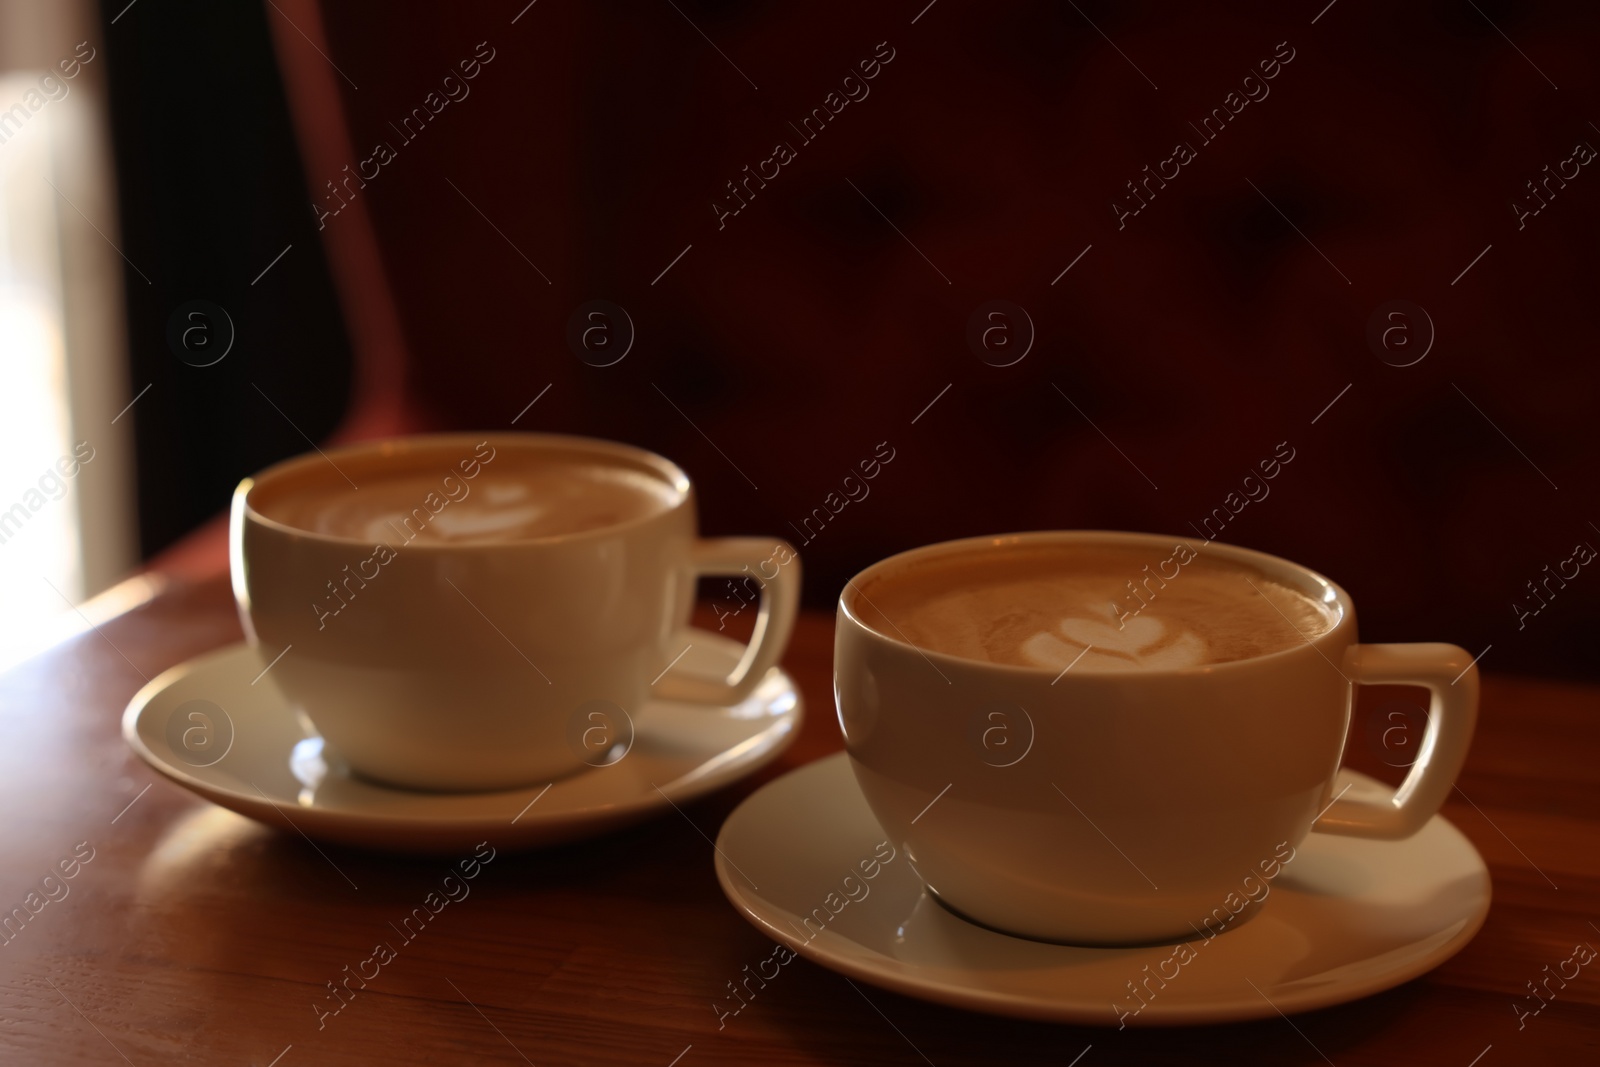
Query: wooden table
[{"x": 195, "y": 935}]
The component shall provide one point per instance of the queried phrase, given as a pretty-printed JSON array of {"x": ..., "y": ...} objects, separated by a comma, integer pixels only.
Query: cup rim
[
  {"x": 1274, "y": 566},
  {"x": 670, "y": 473}
]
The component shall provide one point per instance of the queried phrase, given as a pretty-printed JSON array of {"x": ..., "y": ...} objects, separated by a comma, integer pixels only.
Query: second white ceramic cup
[{"x": 1130, "y": 807}]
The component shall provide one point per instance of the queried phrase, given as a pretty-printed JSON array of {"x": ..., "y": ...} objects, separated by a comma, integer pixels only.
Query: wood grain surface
[{"x": 192, "y": 935}]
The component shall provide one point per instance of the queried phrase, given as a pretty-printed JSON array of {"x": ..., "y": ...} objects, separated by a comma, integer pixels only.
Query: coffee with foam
[
  {"x": 1091, "y": 608},
  {"x": 505, "y": 497}
]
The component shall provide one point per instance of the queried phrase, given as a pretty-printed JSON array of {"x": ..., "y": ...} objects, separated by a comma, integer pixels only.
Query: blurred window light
[
  {"x": 40, "y": 559},
  {"x": 47, "y": 271}
]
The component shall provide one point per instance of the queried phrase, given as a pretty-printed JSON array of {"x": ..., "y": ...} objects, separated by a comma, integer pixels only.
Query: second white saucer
[
  {"x": 272, "y": 767},
  {"x": 805, "y": 861}
]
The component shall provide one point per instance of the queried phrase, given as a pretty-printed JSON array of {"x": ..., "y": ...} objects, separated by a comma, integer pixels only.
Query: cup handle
[
  {"x": 780, "y": 601},
  {"x": 1450, "y": 675}
]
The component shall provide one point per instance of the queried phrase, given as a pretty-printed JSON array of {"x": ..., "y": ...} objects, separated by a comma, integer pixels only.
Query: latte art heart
[
  {"x": 1133, "y": 636},
  {"x": 1145, "y": 643}
]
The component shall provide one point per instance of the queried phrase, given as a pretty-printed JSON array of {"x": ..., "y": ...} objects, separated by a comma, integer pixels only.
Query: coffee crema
[
  {"x": 1067, "y": 605},
  {"x": 490, "y": 498}
]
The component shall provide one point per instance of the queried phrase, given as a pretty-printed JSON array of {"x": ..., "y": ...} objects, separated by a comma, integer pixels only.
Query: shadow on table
[{"x": 218, "y": 888}]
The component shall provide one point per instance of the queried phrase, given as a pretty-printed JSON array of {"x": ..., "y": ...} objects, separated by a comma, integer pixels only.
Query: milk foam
[
  {"x": 1071, "y": 607},
  {"x": 514, "y": 498},
  {"x": 1098, "y": 644}
]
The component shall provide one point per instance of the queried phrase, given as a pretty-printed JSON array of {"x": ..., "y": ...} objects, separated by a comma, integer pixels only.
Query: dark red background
[{"x": 1197, "y": 338}]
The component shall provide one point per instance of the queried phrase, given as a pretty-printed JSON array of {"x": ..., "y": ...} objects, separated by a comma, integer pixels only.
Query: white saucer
[
  {"x": 1347, "y": 918},
  {"x": 274, "y": 771}
]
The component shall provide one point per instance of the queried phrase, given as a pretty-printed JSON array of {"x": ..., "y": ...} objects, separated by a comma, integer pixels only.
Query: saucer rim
[
  {"x": 346, "y": 824},
  {"x": 900, "y": 977}
]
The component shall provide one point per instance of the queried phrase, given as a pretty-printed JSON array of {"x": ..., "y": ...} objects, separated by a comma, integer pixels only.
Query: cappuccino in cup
[
  {"x": 1101, "y": 609},
  {"x": 487, "y": 497}
]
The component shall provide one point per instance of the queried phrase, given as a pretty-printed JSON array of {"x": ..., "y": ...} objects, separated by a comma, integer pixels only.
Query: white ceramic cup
[
  {"x": 1129, "y": 807},
  {"x": 475, "y": 666}
]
